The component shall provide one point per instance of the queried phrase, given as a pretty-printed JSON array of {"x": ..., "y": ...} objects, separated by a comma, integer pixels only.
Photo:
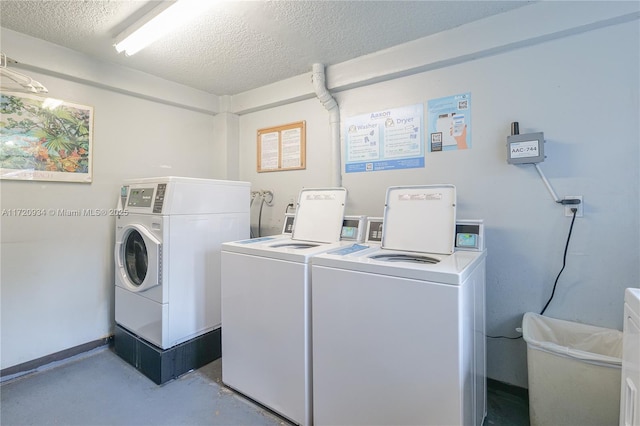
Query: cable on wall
[
  {"x": 504, "y": 337},
  {"x": 564, "y": 261},
  {"x": 523, "y": 149}
]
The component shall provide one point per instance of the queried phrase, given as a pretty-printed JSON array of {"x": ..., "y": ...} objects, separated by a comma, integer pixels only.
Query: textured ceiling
[{"x": 240, "y": 45}]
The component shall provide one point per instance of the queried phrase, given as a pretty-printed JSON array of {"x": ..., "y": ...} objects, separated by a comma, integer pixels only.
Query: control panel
[
  {"x": 287, "y": 228},
  {"x": 469, "y": 235},
  {"x": 140, "y": 197},
  {"x": 374, "y": 230},
  {"x": 353, "y": 228}
]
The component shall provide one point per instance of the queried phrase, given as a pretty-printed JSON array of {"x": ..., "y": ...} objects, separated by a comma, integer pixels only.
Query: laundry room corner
[{"x": 57, "y": 268}]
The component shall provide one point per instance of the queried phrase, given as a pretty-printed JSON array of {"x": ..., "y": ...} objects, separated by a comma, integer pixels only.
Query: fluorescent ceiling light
[{"x": 157, "y": 23}]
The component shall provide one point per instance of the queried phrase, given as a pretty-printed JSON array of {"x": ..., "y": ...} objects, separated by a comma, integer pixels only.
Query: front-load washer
[
  {"x": 266, "y": 290},
  {"x": 630, "y": 392},
  {"x": 398, "y": 329},
  {"x": 167, "y": 260}
]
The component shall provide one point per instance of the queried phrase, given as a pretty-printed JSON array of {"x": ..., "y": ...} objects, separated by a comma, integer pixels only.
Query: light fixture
[
  {"x": 157, "y": 23},
  {"x": 18, "y": 82}
]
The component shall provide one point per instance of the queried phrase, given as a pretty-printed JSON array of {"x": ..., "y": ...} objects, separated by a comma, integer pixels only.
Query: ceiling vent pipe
[{"x": 319, "y": 84}]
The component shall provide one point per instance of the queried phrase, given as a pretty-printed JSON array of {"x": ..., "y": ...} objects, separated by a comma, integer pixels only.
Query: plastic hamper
[{"x": 574, "y": 372}]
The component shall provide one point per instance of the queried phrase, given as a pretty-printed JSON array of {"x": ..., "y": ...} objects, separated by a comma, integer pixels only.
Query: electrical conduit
[{"x": 319, "y": 84}]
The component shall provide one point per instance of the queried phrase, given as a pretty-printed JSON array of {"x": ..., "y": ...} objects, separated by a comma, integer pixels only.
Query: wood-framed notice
[{"x": 282, "y": 147}]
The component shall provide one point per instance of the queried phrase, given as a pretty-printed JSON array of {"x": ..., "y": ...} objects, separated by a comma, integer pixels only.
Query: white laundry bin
[{"x": 574, "y": 372}]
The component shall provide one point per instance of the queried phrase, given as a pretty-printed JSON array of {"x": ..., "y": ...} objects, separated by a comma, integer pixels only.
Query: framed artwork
[{"x": 45, "y": 139}]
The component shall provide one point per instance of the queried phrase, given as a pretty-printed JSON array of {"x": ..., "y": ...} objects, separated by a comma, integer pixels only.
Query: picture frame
[{"x": 45, "y": 139}]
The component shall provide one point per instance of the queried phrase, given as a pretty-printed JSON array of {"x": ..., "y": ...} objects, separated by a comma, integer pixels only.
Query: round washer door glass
[{"x": 136, "y": 259}]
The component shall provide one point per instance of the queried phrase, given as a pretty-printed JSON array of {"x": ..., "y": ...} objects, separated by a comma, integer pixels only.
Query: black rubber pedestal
[{"x": 163, "y": 365}]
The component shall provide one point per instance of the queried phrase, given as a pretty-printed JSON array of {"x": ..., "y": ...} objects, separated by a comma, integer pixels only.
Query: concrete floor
[{"x": 99, "y": 388}]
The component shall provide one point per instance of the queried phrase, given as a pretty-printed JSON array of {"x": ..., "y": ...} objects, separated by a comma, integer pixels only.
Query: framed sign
[
  {"x": 282, "y": 147},
  {"x": 45, "y": 139}
]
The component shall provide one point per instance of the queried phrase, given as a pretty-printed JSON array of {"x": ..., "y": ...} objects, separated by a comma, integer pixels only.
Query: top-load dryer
[
  {"x": 398, "y": 327},
  {"x": 266, "y": 290},
  {"x": 167, "y": 254}
]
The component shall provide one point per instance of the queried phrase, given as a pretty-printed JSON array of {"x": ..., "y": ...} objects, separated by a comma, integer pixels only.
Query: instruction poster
[
  {"x": 269, "y": 150},
  {"x": 282, "y": 147},
  {"x": 449, "y": 123},
  {"x": 385, "y": 140}
]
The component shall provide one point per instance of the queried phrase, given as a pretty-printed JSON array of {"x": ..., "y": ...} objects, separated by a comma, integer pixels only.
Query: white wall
[
  {"x": 57, "y": 272},
  {"x": 286, "y": 185},
  {"x": 575, "y": 80}
]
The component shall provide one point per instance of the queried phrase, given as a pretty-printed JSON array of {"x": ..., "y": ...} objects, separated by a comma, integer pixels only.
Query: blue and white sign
[
  {"x": 385, "y": 140},
  {"x": 449, "y": 123}
]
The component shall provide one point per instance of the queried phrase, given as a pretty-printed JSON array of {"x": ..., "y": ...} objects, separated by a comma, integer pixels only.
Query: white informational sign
[
  {"x": 385, "y": 140},
  {"x": 291, "y": 148},
  {"x": 449, "y": 123},
  {"x": 269, "y": 150}
]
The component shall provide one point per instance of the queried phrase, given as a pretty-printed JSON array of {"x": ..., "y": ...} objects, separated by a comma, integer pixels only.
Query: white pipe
[
  {"x": 546, "y": 182},
  {"x": 319, "y": 84}
]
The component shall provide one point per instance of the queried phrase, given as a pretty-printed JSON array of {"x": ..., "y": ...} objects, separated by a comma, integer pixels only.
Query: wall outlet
[{"x": 568, "y": 207}]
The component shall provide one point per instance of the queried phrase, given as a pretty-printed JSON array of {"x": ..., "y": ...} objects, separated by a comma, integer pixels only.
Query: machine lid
[
  {"x": 420, "y": 218},
  {"x": 319, "y": 215}
]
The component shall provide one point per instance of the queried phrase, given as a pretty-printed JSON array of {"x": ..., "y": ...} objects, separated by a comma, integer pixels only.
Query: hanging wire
[
  {"x": 262, "y": 201},
  {"x": 564, "y": 263},
  {"x": 254, "y": 195},
  {"x": 564, "y": 260},
  {"x": 264, "y": 195}
]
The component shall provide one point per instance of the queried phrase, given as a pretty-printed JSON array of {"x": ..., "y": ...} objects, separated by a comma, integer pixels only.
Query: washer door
[{"x": 138, "y": 257}]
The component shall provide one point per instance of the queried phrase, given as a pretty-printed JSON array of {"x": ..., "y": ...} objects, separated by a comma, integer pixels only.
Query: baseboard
[{"x": 28, "y": 366}]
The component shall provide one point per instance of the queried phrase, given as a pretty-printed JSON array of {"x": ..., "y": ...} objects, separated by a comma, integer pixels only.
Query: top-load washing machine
[
  {"x": 398, "y": 327},
  {"x": 167, "y": 254},
  {"x": 630, "y": 394},
  {"x": 266, "y": 290}
]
